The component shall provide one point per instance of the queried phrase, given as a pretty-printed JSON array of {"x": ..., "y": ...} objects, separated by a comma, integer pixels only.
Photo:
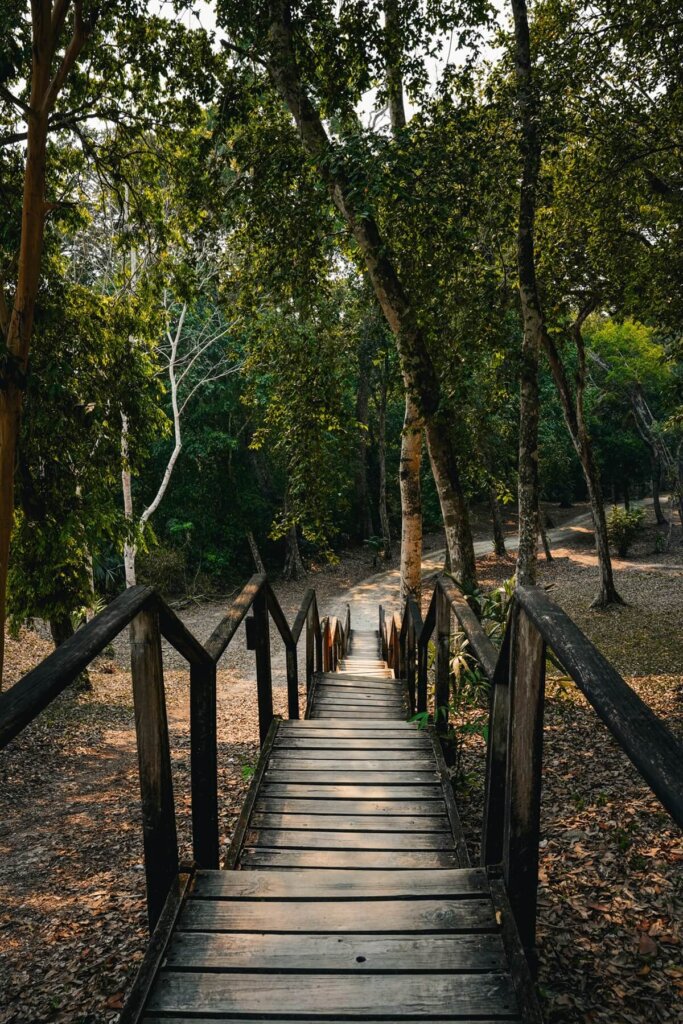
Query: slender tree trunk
[
  {"x": 656, "y": 486},
  {"x": 294, "y": 566},
  {"x": 627, "y": 494},
  {"x": 362, "y": 489},
  {"x": 129, "y": 548},
  {"x": 544, "y": 536},
  {"x": 534, "y": 323},
  {"x": 419, "y": 374},
  {"x": 532, "y": 317},
  {"x": 497, "y": 523},
  {"x": 16, "y": 327},
  {"x": 411, "y": 438},
  {"x": 411, "y": 503},
  {"x": 382, "y": 458},
  {"x": 255, "y": 553}
]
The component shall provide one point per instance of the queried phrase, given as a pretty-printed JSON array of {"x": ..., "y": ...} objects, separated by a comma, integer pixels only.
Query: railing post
[
  {"x": 409, "y": 658},
  {"x": 203, "y": 764},
  {"x": 525, "y": 750},
  {"x": 422, "y": 663},
  {"x": 292, "y": 681},
  {"x": 442, "y": 666},
  {"x": 496, "y": 757},
  {"x": 264, "y": 681},
  {"x": 154, "y": 758},
  {"x": 310, "y": 638}
]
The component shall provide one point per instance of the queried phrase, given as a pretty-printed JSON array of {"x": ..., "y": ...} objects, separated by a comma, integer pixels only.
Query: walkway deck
[{"x": 354, "y": 900}]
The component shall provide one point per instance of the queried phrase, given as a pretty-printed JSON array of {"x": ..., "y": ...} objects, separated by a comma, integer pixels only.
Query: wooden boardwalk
[{"x": 353, "y": 898}]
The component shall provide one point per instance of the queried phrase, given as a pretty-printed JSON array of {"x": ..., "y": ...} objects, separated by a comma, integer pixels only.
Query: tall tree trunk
[
  {"x": 656, "y": 486},
  {"x": 497, "y": 523},
  {"x": 129, "y": 548},
  {"x": 294, "y": 566},
  {"x": 17, "y": 327},
  {"x": 411, "y": 503},
  {"x": 419, "y": 374},
  {"x": 382, "y": 458},
  {"x": 361, "y": 488},
  {"x": 534, "y": 323},
  {"x": 532, "y": 317},
  {"x": 411, "y": 438}
]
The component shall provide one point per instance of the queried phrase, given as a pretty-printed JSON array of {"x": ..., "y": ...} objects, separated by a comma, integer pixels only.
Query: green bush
[
  {"x": 164, "y": 568},
  {"x": 622, "y": 527}
]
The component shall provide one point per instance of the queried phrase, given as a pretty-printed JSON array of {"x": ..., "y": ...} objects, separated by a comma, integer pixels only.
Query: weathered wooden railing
[
  {"x": 511, "y": 827},
  {"x": 150, "y": 619}
]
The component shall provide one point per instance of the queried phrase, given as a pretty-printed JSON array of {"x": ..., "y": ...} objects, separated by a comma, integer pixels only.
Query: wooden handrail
[
  {"x": 654, "y": 750},
  {"x": 511, "y": 824},
  {"x": 150, "y": 618}
]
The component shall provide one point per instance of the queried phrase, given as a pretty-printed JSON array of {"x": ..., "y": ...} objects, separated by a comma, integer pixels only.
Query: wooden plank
[
  {"x": 313, "y": 759},
  {"x": 230, "y": 1019},
  {"x": 371, "y": 861},
  {"x": 350, "y": 805},
  {"x": 320, "y": 731},
  {"x": 346, "y": 884},
  {"x": 349, "y": 757},
  {"x": 391, "y": 997},
  {"x": 353, "y": 714},
  {"x": 327, "y": 695},
  {"x": 278, "y": 763},
  {"x": 291, "y": 742},
  {"x": 356, "y": 954},
  {"x": 350, "y": 822},
  {"x": 367, "y": 725},
  {"x": 323, "y": 840},
  {"x": 342, "y": 776},
  {"x": 350, "y": 716},
  {"x": 303, "y": 792},
  {"x": 442, "y": 915},
  {"x": 342, "y": 682}
]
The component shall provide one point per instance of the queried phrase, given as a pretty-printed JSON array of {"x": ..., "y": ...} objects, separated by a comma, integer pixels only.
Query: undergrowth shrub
[
  {"x": 622, "y": 526},
  {"x": 163, "y": 568}
]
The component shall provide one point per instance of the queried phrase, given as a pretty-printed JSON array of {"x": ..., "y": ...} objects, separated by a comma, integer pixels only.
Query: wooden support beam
[
  {"x": 264, "y": 680},
  {"x": 525, "y": 752},
  {"x": 154, "y": 758},
  {"x": 203, "y": 764}
]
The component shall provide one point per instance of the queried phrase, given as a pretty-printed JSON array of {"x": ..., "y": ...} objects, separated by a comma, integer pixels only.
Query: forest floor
[{"x": 72, "y": 908}]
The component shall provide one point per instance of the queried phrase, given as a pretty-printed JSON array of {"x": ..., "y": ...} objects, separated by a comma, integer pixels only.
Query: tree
[
  {"x": 55, "y": 93},
  {"x": 276, "y": 33}
]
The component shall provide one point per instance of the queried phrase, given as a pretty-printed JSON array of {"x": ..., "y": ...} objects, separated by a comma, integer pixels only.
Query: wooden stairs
[{"x": 349, "y": 895}]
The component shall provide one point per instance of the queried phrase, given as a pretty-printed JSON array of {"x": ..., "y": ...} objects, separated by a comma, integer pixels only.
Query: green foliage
[{"x": 623, "y": 526}]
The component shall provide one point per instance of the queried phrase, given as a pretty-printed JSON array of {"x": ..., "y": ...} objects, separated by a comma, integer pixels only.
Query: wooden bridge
[{"x": 347, "y": 893}]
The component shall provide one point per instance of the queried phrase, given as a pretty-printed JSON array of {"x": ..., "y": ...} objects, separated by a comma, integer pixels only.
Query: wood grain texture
[
  {"x": 347, "y": 884},
  {"x": 348, "y": 805},
  {"x": 277, "y": 838},
  {"x": 350, "y": 822},
  {"x": 369, "y": 860},
  {"x": 394, "y": 915},
  {"x": 342, "y": 776},
  {"x": 355, "y": 953},
  {"x": 331, "y": 791},
  {"x": 392, "y": 997}
]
